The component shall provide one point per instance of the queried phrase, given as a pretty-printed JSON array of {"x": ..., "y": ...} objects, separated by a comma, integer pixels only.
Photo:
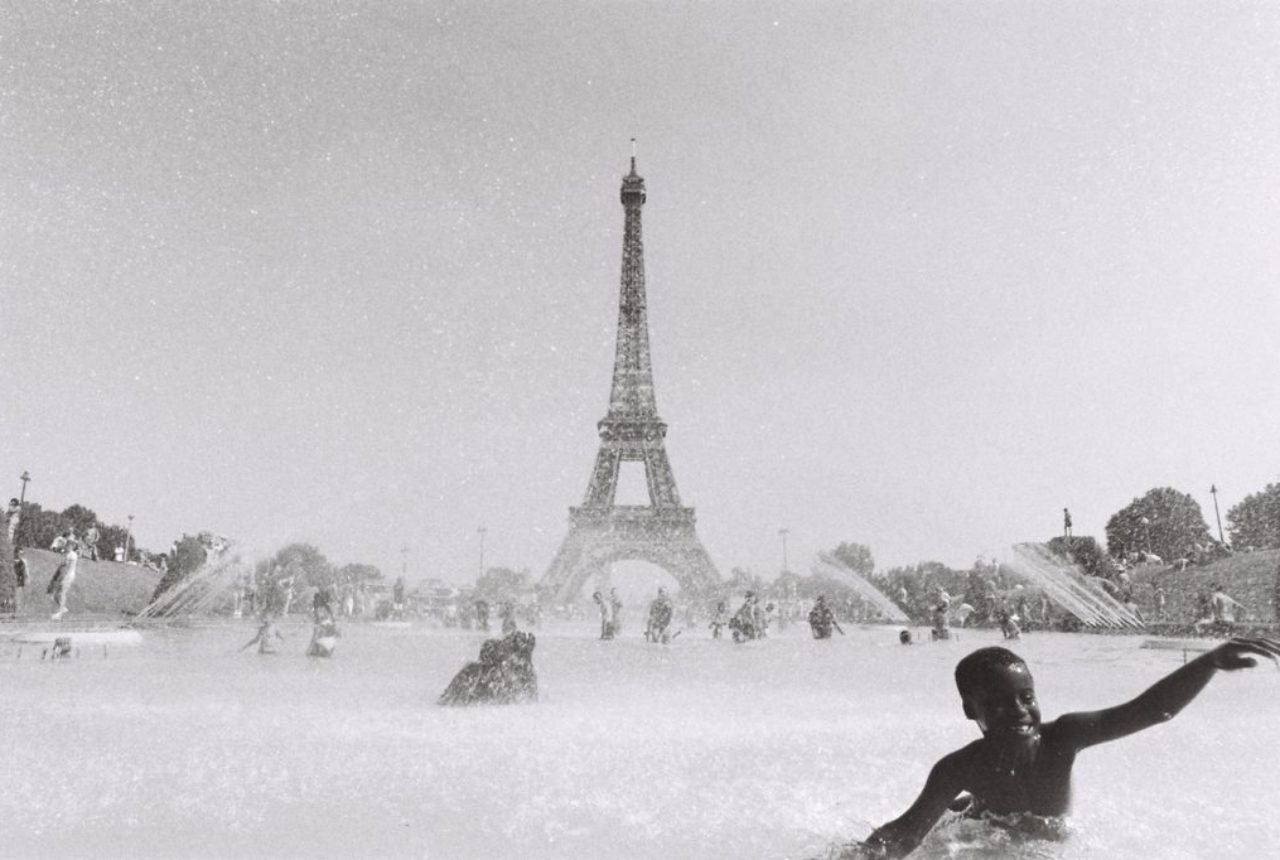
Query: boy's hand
[{"x": 1241, "y": 653}]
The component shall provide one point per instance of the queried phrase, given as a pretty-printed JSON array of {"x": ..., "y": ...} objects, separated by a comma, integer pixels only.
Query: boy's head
[{"x": 998, "y": 692}]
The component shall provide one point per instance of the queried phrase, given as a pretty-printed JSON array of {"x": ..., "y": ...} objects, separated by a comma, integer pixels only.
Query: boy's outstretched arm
[
  {"x": 1165, "y": 698},
  {"x": 900, "y": 837}
]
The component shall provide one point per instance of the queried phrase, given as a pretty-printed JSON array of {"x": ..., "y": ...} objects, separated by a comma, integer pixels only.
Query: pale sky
[{"x": 919, "y": 274}]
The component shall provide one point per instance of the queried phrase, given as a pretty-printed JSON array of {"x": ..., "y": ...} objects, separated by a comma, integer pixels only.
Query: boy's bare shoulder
[{"x": 958, "y": 764}]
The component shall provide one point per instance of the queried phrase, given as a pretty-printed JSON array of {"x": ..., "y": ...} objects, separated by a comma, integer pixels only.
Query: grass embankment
[
  {"x": 1253, "y": 578},
  {"x": 100, "y": 588}
]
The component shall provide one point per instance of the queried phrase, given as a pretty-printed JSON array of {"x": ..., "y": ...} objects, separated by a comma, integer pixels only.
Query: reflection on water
[{"x": 778, "y": 748}]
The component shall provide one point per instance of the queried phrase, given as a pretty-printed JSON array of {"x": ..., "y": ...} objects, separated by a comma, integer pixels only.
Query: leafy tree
[
  {"x": 1256, "y": 520},
  {"x": 79, "y": 518},
  {"x": 1164, "y": 521},
  {"x": 857, "y": 558},
  {"x": 1084, "y": 551},
  {"x": 498, "y": 584},
  {"x": 189, "y": 556},
  {"x": 788, "y": 584},
  {"x": 357, "y": 573},
  {"x": 306, "y": 563},
  {"x": 741, "y": 581},
  {"x": 38, "y": 527}
]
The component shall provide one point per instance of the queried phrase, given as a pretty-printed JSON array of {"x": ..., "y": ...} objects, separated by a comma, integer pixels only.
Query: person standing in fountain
[
  {"x": 941, "y": 626},
  {"x": 507, "y": 612},
  {"x": 266, "y": 632},
  {"x": 65, "y": 575},
  {"x": 1021, "y": 767},
  {"x": 606, "y": 616},
  {"x": 822, "y": 620},
  {"x": 659, "y": 619},
  {"x": 717, "y": 621},
  {"x": 397, "y": 599},
  {"x": 615, "y": 610},
  {"x": 743, "y": 622}
]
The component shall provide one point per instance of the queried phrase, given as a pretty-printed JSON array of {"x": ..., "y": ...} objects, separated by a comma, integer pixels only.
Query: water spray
[
  {"x": 1066, "y": 585},
  {"x": 828, "y": 565}
]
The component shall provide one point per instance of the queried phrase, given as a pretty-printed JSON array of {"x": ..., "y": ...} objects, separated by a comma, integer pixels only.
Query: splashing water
[
  {"x": 828, "y": 565},
  {"x": 200, "y": 591},
  {"x": 1068, "y": 587}
]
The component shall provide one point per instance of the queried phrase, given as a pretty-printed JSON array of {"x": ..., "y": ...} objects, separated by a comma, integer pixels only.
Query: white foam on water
[{"x": 777, "y": 748}]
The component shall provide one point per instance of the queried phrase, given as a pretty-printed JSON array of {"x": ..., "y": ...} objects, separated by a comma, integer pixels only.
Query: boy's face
[{"x": 1005, "y": 704}]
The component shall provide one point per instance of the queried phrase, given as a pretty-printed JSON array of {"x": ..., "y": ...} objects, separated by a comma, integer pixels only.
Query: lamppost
[
  {"x": 128, "y": 532},
  {"x": 1213, "y": 491},
  {"x": 404, "y": 561},
  {"x": 1146, "y": 526},
  {"x": 782, "y": 533},
  {"x": 482, "y": 531},
  {"x": 22, "y": 499}
]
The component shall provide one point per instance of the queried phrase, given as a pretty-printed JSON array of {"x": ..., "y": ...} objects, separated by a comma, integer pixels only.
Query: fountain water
[
  {"x": 828, "y": 565},
  {"x": 1068, "y": 587},
  {"x": 199, "y": 592}
]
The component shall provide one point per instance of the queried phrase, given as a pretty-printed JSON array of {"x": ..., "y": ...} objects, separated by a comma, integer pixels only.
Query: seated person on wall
[{"x": 504, "y": 674}]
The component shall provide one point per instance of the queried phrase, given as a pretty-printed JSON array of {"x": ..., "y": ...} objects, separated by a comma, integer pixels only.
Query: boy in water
[
  {"x": 1021, "y": 766},
  {"x": 266, "y": 631}
]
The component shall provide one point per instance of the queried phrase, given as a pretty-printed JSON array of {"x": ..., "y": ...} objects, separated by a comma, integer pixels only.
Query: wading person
[{"x": 1020, "y": 766}]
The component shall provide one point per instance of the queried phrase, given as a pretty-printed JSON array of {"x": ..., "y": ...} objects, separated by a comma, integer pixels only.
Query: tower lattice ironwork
[{"x": 601, "y": 531}]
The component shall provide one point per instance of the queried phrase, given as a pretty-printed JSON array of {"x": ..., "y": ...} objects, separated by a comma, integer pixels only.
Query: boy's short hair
[{"x": 973, "y": 669}]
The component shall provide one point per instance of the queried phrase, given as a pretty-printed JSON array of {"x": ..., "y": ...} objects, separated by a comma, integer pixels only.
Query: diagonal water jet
[
  {"x": 828, "y": 565},
  {"x": 1066, "y": 585},
  {"x": 199, "y": 592}
]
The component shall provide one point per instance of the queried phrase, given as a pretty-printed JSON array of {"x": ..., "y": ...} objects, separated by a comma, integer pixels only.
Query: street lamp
[
  {"x": 1146, "y": 525},
  {"x": 783, "y": 534},
  {"x": 128, "y": 532},
  {"x": 482, "y": 531},
  {"x": 1213, "y": 491},
  {"x": 22, "y": 499}
]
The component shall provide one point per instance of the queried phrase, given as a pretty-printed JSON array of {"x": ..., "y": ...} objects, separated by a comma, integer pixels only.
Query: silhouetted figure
[
  {"x": 606, "y": 615},
  {"x": 324, "y": 637},
  {"x": 659, "y": 619},
  {"x": 718, "y": 621},
  {"x": 743, "y": 623},
  {"x": 822, "y": 620},
  {"x": 503, "y": 675}
]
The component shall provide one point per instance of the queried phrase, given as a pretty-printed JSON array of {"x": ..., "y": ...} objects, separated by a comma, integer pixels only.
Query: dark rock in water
[{"x": 504, "y": 674}]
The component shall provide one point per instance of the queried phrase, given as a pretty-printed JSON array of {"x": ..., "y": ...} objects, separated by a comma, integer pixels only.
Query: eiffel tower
[{"x": 602, "y": 532}]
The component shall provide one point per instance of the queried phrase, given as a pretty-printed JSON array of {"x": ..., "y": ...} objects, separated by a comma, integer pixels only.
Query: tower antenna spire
[{"x": 633, "y": 155}]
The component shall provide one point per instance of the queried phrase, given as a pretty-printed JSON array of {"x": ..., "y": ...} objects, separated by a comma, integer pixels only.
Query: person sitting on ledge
[{"x": 1021, "y": 766}]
